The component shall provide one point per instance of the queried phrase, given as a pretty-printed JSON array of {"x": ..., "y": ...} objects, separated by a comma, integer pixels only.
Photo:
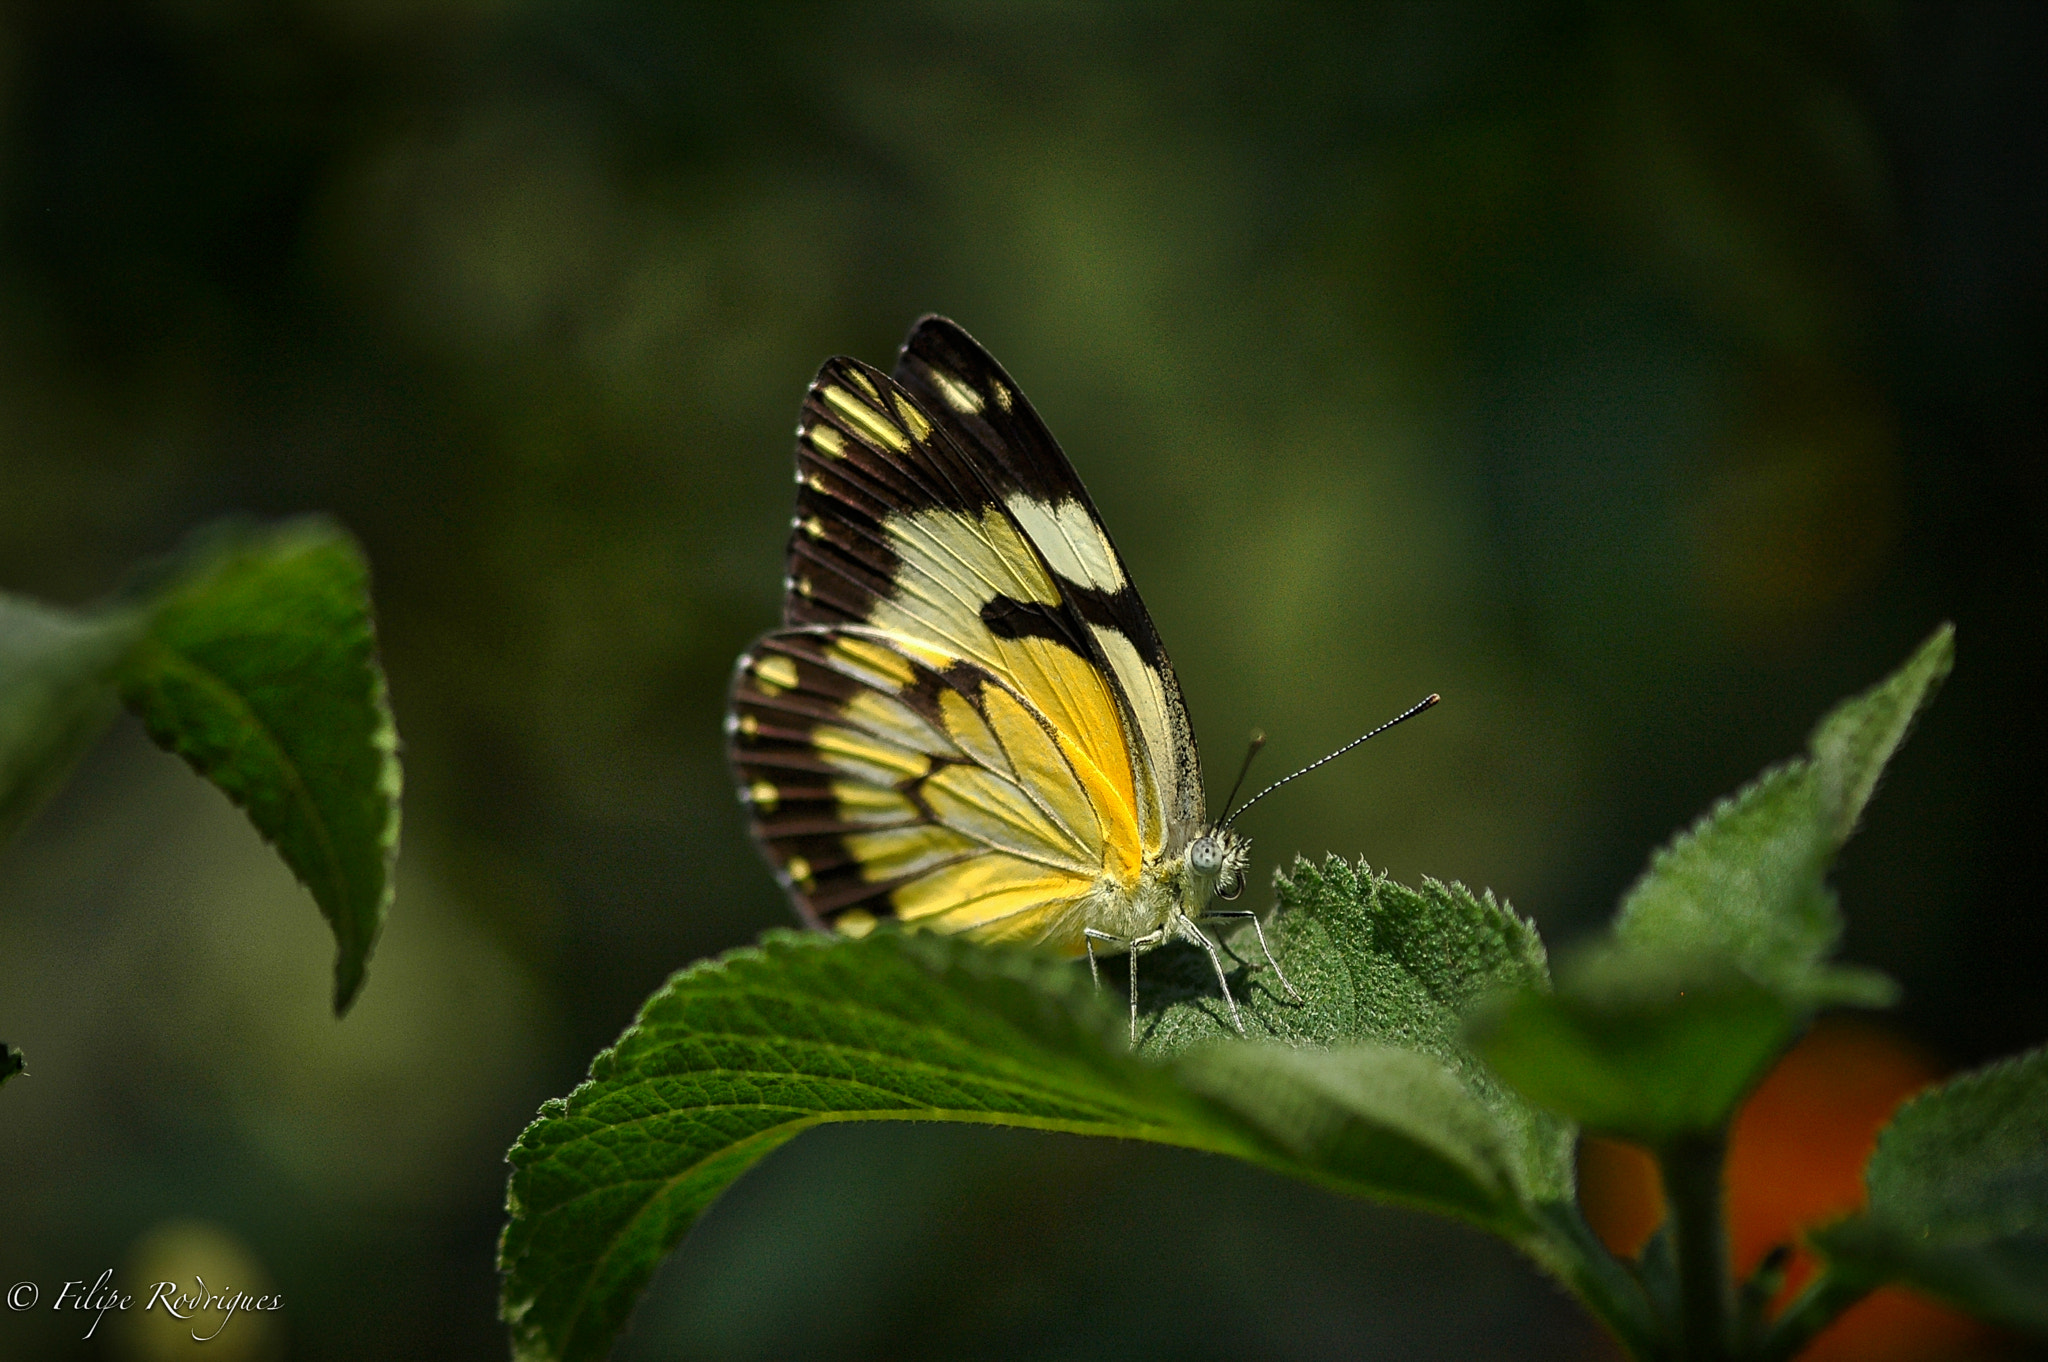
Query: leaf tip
[{"x": 349, "y": 973}]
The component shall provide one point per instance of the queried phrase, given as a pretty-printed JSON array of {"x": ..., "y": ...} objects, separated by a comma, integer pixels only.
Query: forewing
[
  {"x": 900, "y": 530},
  {"x": 884, "y": 781},
  {"x": 969, "y": 397}
]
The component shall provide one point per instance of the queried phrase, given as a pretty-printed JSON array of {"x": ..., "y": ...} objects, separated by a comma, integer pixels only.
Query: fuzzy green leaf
[
  {"x": 1370, "y": 1120},
  {"x": 1747, "y": 883},
  {"x": 1959, "y": 1197},
  {"x": 1719, "y": 952},
  {"x": 1375, "y": 962},
  {"x": 1853, "y": 744},
  {"x": 260, "y": 669},
  {"x": 1640, "y": 1044},
  {"x": 736, "y": 1056},
  {"x": 57, "y": 694}
]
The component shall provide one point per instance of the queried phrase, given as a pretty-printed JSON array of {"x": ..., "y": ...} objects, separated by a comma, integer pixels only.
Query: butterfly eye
[{"x": 1205, "y": 857}]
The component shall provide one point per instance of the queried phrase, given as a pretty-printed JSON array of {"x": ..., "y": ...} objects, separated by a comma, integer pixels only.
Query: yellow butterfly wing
[
  {"x": 887, "y": 782},
  {"x": 955, "y": 728}
]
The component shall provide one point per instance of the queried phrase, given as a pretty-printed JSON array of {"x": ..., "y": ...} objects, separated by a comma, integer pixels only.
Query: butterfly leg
[
  {"x": 1186, "y": 929},
  {"x": 1089, "y": 936},
  {"x": 1151, "y": 938},
  {"x": 1134, "y": 995},
  {"x": 1226, "y": 914}
]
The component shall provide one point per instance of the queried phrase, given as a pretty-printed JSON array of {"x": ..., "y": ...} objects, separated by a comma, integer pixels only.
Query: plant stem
[
  {"x": 1691, "y": 1166},
  {"x": 1570, "y": 1251},
  {"x": 1811, "y": 1311}
]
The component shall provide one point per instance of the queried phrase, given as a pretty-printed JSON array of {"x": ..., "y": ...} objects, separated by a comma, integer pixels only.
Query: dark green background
[{"x": 1641, "y": 378}]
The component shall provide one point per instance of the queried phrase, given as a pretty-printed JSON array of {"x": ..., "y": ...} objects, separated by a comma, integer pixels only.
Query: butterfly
[{"x": 966, "y": 722}]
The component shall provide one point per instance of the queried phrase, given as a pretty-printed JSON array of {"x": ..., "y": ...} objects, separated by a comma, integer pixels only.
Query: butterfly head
[{"x": 1217, "y": 860}]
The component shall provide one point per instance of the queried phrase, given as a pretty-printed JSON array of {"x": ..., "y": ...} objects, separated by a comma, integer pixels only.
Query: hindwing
[{"x": 889, "y": 781}]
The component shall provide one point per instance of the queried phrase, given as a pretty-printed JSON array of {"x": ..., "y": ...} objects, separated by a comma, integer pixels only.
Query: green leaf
[
  {"x": 1369, "y": 1120},
  {"x": 12, "y": 1061},
  {"x": 1377, "y": 962},
  {"x": 260, "y": 669},
  {"x": 1641, "y": 1044},
  {"x": 1747, "y": 883},
  {"x": 1959, "y": 1197},
  {"x": 736, "y": 1056},
  {"x": 1719, "y": 953},
  {"x": 57, "y": 694},
  {"x": 1852, "y": 745},
  {"x": 1372, "y": 959}
]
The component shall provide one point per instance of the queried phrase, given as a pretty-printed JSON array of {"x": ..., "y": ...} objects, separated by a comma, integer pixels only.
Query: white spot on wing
[
  {"x": 958, "y": 395},
  {"x": 1072, "y": 543}
]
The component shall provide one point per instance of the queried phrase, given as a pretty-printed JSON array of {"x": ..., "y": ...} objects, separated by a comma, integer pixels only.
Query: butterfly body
[{"x": 967, "y": 721}]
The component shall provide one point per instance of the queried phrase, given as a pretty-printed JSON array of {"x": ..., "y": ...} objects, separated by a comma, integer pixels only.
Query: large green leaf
[
  {"x": 1959, "y": 1197},
  {"x": 260, "y": 669},
  {"x": 57, "y": 694},
  {"x": 738, "y": 1055}
]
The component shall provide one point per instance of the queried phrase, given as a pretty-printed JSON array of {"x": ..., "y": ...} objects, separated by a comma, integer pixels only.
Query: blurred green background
[{"x": 1644, "y": 379}]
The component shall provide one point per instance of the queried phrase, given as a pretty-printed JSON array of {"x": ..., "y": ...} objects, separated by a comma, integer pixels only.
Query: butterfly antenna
[
  {"x": 1402, "y": 717},
  {"x": 1258, "y": 741}
]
